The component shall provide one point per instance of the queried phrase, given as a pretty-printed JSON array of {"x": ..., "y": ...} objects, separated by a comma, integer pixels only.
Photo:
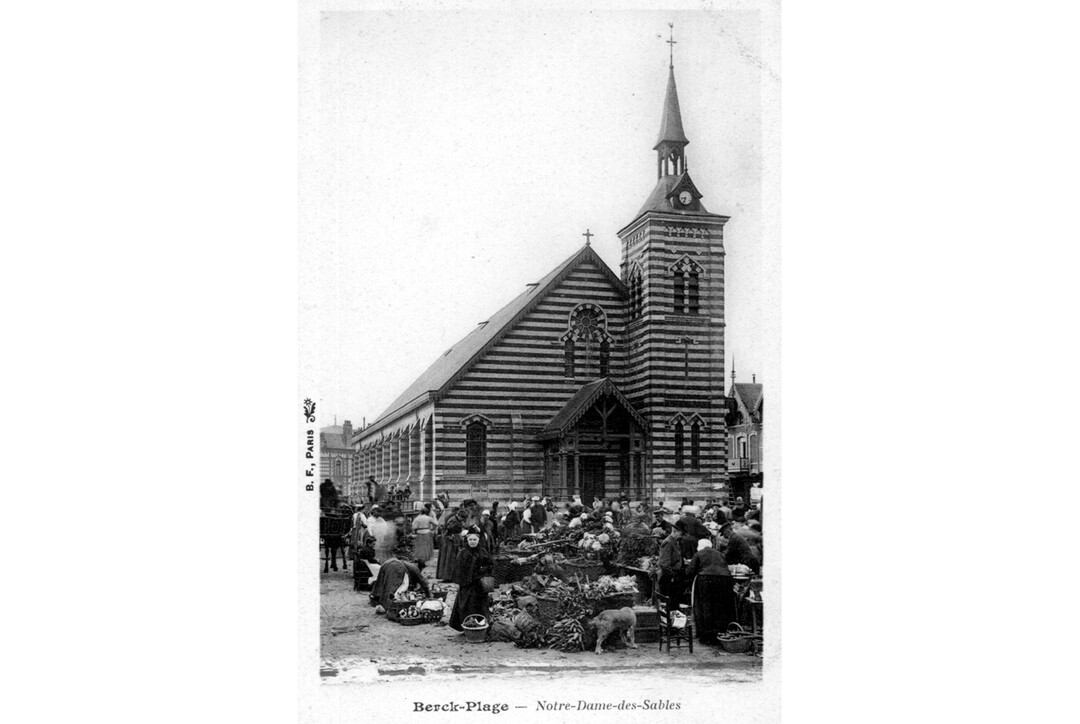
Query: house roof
[
  {"x": 461, "y": 356},
  {"x": 333, "y": 440},
  {"x": 580, "y": 403},
  {"x": 750, "y": 394}
]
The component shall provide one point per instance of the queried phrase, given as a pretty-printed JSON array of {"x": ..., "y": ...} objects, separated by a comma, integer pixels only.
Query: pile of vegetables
[{"x": 632, "y": 548}]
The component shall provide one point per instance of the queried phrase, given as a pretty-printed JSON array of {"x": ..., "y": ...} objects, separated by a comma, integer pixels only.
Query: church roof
[
  {"x": 671, "y": 129},
  {"x": 580, "y": 403},
  {"x": 459, "y": 358},
  {"x": 658, "y": 200}
]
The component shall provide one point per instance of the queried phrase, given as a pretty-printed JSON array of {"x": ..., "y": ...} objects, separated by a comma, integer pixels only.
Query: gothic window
[
  {"x": 678, "y": 446},
  {"x": 587, "y": 334},
  {"x": 636, "y": 292},
  {"x": 695, "y": 446},
  {"x": 475, "y": 448},
  {"x": 337, "y": 468},
  {"x": 686, "y": 286}
]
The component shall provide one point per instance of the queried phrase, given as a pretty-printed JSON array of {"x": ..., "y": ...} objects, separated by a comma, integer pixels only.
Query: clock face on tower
[{"x": 685, "y": 198}]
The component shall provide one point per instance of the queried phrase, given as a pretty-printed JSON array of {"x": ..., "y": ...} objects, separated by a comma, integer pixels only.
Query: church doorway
[{"x": 592, "y": 478}]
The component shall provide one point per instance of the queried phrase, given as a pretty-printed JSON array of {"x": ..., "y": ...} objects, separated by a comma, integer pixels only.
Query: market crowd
[{"x": 698, "y": 547}]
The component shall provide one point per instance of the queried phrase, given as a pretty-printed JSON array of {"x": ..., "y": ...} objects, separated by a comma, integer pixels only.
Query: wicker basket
[
  {"x": 432, "y": 616},
  {"x": 585, "y": 570},
  {"x": 735, "y": 641},
  {"x": 547, "y": 609},
  {"x": 476, "y": 634},
  {"x": 411, "y": 621}
]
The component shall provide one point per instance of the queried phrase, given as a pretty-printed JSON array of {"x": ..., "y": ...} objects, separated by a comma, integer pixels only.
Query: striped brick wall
[
  {"x": 666, "y": 376},
  {"x": 522, "y": 376}
]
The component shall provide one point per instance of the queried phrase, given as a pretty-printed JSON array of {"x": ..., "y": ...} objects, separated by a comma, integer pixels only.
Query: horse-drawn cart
[{"x": 334, "y": 525}]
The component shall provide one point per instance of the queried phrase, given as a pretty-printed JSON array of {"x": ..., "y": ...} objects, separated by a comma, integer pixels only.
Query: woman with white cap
[
  {"x": 713, "y": 592},
  {"x": 512, "y": 522}
]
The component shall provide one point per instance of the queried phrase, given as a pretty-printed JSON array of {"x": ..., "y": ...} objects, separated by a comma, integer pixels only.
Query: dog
[{"x": 608, "y": 622}]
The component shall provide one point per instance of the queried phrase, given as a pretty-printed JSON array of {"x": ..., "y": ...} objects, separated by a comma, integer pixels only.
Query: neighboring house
[
  {"x": 336, "y": 459},
  {"x": 590, "y": 382},
  {"x": 746, "y": 405}
]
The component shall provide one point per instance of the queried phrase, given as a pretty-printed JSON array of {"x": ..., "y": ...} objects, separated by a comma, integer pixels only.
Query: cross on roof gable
[{"x": 456, "y": 361}]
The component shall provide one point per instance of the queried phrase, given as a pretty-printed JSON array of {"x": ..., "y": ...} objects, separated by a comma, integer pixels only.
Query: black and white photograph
[
  {"x": 538, "y": 301},
  {"x": 564, "y": 362}
]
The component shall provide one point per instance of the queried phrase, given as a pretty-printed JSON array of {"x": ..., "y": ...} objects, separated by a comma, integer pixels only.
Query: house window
[
  {"x": 678, "y": 300},
  {"x": 568, "y": 358},
  {"x": 678, "y": 446},
  {"x": 742, "y": 447},
  {"x": 337, "y": 468},
  {"x": 605, "y": 358},
  {"x": 476, "y": 448},
  {"x": 695, "y": 446},
  {"x": 692, "y": 294}
]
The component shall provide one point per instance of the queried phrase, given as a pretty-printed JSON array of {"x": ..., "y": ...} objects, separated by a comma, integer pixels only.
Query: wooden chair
[{"x": 669, "y": 633}]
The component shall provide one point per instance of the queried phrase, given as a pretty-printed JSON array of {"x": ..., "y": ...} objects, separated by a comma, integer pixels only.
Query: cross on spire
[
  {"x": 588, "y": 237},
  {"x": 671, "y": 41}
]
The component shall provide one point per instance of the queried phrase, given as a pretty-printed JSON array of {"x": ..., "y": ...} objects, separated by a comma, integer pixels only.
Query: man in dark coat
[
  {"x": 538, "y": 515},
  {"x": 738, "y": 550},
  {"x": 328, "y": 495},
  {"x": 672, "y": 581}
]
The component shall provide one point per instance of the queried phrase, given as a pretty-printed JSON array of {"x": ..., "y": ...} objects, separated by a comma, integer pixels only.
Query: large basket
[
  {"x": 585, "y": 570},
  {"x": 736, "y": 640},
  {"x": 547, "y": 609},
  {"x": 394, "y": 609}
]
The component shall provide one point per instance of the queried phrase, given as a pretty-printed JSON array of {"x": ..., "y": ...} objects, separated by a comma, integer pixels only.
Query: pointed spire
[{"x": 671, "y": 130}]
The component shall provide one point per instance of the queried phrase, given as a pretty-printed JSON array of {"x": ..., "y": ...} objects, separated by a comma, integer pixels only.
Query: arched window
[
  {"x": 605, "y": 358},
  {"x": 695, "y": 446},
  {"x": 476, "y": 448},
  {"x": 337, "y": 468},
  {"x": 678, "y": 446},
  {"x": 686, "y": 286},
  {"x": 568, "y": 358},
  {"x": 636, "y": 292}
]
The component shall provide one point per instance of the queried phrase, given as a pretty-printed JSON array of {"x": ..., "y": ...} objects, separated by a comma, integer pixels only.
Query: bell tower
[{"x": 673, "y": 265}]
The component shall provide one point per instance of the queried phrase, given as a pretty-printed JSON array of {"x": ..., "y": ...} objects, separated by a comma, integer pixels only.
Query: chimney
[{"x": 753, "y": 378}]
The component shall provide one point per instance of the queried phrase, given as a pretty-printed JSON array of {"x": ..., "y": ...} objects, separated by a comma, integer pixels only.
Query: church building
[{"x": 591, "y": 382}]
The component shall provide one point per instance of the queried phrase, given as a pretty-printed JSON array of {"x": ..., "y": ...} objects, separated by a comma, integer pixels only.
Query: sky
[{"x": 450, "y": 158}]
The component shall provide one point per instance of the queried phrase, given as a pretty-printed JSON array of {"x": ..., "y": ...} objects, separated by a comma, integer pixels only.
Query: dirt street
[{"x": 358, "y": 645}]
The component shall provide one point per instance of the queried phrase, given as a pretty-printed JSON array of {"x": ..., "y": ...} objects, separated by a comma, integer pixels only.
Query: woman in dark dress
[
  {"x": 449, "y": 545},
  {"x": 713, "y": 592},
  {"x": 473, "y": 562}
]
